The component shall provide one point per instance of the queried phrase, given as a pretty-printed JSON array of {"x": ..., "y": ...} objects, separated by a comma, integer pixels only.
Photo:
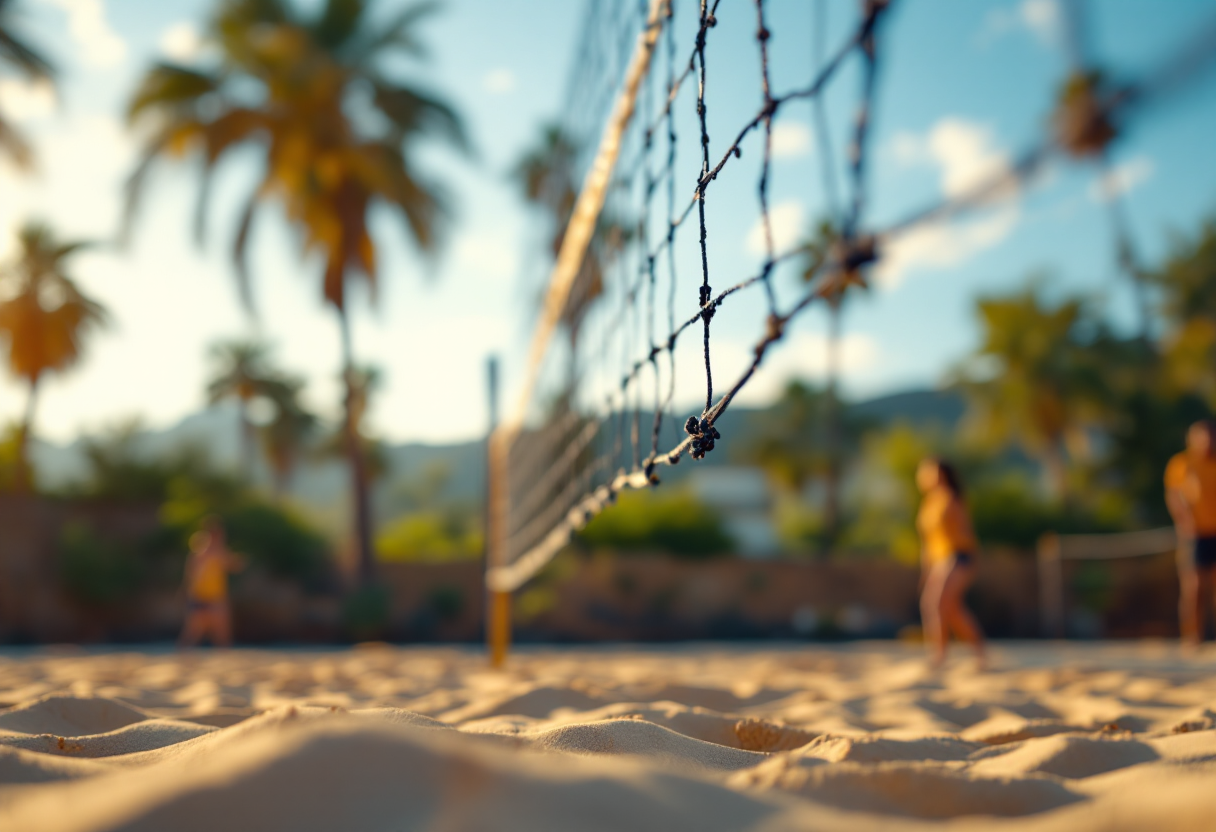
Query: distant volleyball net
[
  {"x": 1055, "y": 550},
  {"x": 644, "y": 278}
]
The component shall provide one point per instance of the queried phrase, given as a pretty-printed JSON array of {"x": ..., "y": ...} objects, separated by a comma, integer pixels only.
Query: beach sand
[{"x": 690, "y": 737}]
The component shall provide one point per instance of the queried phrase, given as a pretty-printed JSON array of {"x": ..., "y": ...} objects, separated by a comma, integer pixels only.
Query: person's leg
[
  {"x": 1188, "y": 596},
  {"x": 1205, "y": 590},
  {"x": 194, "y": 628},
  {"x": 931, "y": 614},
  {"x": 223, "y": 625},
  {"x": 954, "y": 608}
]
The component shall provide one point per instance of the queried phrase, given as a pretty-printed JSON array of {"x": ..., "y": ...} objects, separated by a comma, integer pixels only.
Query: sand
[{"x": 745, "y": 737}]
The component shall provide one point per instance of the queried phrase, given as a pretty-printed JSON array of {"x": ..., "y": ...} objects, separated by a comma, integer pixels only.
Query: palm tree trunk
[
  {"x": 831, "y": 507},
  {"x": 278, "y": 484},
  {"x": 283, "y": 474},
  {"x": 362, "y": 526},
  {"x": 25, "y": 469},
  {"x": 1057, "y": 472},
  {"x": 246, "y": 439}
]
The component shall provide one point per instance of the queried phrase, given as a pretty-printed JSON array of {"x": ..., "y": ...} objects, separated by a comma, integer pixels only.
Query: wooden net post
[
  {"x": 498, "y": 612},
  {"x": 575, "y": 241}
]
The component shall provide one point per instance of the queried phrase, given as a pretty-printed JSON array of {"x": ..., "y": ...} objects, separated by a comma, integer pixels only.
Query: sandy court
[{"x": 702, "y": 737}]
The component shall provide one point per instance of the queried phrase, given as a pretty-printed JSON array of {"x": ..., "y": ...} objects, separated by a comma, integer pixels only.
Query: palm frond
[
  {"x": 413, "y": 113},
  {"x": 219, "y": 136},
  {"x": 44, "y": 338},
  {"x": 240, "y": 247},
  {"x": 133, "y": 188},
  {"x": 384, "y": 171},
  {"x": 16, "y": 52},
  {"x": 398, "y": 33},
  {"x": 169, "y": 88},
  {"x": 338, "y": 22},
  {"x": 14, "y": 145}
]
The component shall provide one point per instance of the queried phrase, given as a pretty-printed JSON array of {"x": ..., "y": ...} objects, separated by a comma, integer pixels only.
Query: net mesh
[{"x": 637, "y": 267}]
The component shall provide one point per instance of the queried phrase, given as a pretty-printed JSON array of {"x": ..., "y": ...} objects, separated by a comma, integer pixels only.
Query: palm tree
[
  {"x": 242, "y": 372},
  {"x": 1187, "y": 285},
  {"x": 546, "y": 176},
  {"x": 815, "y": 254},
  {"x": 16, "y": 52},
  {"x": 44, "y": 317},
  {"x": 286, "y": 435},
  {"x": 782, "y": 440},
  {"x": 1037, "y": 382},
  {"x": 337, "y": 132},
  {"x": 362, "y": 382}
]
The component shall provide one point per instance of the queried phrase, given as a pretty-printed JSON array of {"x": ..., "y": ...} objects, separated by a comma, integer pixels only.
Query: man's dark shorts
[{"x": 1203, "y": 552}]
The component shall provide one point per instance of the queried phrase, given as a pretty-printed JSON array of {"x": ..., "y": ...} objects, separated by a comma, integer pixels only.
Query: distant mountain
[
  {"x": 322, "y": 484},
  {"x": 453, "y": 473},
  {"x": 918, "y": 407}
]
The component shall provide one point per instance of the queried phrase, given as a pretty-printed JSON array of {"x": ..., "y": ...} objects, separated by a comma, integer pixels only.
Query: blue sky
[{"x": 964, "y": 85}]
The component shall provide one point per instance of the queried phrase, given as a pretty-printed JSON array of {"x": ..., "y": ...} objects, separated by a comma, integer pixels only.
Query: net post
[
  {"x": 499, "y": 628},
  {"x": 497, "y": 604},
  {"x": 498, "y": 612},
  {"x": 575, "y": 242},
  {"x": 1051, "y": 586}
]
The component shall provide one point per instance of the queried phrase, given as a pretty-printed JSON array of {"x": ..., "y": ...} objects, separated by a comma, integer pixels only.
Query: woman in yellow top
[
  {"x": 206, "y": 580},
  {"x": 1190, "y": 494},
  {"x": 948, "y": 554}
]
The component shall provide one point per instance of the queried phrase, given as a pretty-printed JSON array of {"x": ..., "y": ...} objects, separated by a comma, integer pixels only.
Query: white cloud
[
  {"x": 788, "y": 224},
  {"x": 100, "y": 45},
  {"x": 941, "y": 245},
  {"x": 1041, "y": 18},
  {"x": 22, "y": 100},
  {"x": 499, "y": 81},
  {"x": 491, "y": 257},
  {"x": 964, "y": 152},
  {"x": 1122, "y": 178},
  {"x": 800, "y": 355},
  {"x": 81, "y": 169},
  {"x": 791, "y": 139},
  {"x": 966, "y": 157},
  {"x": 181, "y": 41}
]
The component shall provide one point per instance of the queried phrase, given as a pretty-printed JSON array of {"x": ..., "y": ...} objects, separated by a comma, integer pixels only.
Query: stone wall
[{"x": 596, "y": 598}]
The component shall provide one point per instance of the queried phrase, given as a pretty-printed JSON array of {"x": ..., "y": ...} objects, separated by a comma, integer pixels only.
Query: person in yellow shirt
[
  {"x": 207, "y": 568},
  {"x": 1190, "y": 494},
  {"x": 948, "y": 552}
]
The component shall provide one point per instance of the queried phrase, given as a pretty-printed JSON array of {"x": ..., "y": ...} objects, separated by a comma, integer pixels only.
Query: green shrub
[
  {"x": 430, "y": 537},
  {"x": 673, "y": 522},
  {"x": 269, "y": 535},
  {"x": 1010, "y": 510},
  {"x": 276, "y": 540},
  {"x": 95, "y": 570},
  {"x": 365, "y": 613},
  {"x": 446, "y": 602}
]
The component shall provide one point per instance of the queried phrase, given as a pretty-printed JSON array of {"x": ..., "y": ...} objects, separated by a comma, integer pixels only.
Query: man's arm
[{"x": 1180, "y": 511}]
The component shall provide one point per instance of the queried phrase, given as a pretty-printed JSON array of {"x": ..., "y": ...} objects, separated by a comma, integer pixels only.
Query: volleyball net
[
  {"x": 625, "y": 333},
  {"x": 1055, "y": 549}
]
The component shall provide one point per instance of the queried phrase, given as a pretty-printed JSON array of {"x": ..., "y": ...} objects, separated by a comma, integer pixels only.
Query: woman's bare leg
[
  {"x": 932, "y": 622},
  {"x": 193, "y": 630},
  {"x": 954, "y": 609},
  {"x": 223, "y": 626}
]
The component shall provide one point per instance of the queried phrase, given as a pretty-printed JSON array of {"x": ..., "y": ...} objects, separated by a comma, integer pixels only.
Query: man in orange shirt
[
  {"x": 207, "y": 570},
  {"x": 1190, "y": 494}
]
